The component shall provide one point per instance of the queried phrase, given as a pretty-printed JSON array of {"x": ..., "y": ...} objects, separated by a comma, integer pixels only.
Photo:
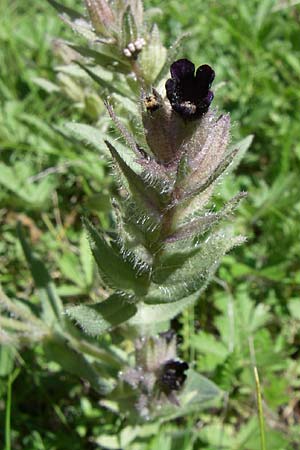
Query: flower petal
[
  {"x": 204, "y": 77},
  {"x": 171, "y": 89},
  {"x": 182, "y": 68}
]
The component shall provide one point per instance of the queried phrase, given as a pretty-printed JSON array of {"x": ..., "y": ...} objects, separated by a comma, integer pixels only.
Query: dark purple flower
[
  {"x": 172, "y": 376},
  {"x": 188, "y": 93}
]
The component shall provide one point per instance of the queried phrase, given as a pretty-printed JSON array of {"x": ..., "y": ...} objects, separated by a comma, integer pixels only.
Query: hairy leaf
[
  {"x": 144, "y": 194},
  {"x": 58, "y": 349},
  {"x": 100, "y": 317},
  {"x": 176, "y": 277},
  {"x": 118, "y": 269}
]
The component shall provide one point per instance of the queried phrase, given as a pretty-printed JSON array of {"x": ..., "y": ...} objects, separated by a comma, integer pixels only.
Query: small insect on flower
[
  {"x": 190, "y": 94},
  {"x": 151, "y": 103}
]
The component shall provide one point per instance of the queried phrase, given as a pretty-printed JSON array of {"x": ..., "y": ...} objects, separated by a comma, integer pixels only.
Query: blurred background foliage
[{"x": 249, "y": 315}]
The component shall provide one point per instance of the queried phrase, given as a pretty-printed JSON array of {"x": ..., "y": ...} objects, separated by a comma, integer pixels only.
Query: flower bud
[{"x": 101, "y": 16}]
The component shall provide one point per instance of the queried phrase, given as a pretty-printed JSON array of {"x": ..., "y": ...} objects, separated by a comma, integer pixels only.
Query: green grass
[{"x": 249, "y": 316}]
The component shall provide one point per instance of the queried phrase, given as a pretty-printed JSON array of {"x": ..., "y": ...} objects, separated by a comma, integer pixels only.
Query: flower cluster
[{"x": 158, "y": 373}]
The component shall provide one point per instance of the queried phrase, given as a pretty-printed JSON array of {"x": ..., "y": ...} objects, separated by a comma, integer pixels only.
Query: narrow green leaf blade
[
  {"x": 59, "y": 350},
  {"x": 106, "y": 86},
  {"x": 51, "y": 303},
  {"x": 103, "y": 59},
  {"x": 61, "y": 9},
  {"x": 88, "y": 135}
]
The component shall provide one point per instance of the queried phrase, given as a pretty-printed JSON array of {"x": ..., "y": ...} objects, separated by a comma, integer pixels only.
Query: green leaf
[
  {"x": 100, "y": 317},
  {"x": 69, "y": 265},
  {"x": 65, "y": 10},
  {"x": 198, "y": 393},
  {"x": 179, "y": 275},
  {"x": 88, "y": 135},
  {"x": 263, "y": 13},
  {"x": 17, "y": 179},
  {"x": 294, "y": 307},
  {"x": 7, "y": 357},
  {"x": 196, "y": 226},
  {"x": 104, "y": 59},
  {"x": 171, "y": 56},
  {"x": 51, "y": 303},
  {"x": 211, "y": 350},
  {"x": 241, "y": 148},
  {"x": 86, "y": 259},
  {"x": 125, "y": 133},
  {"x": 59, "y": 350},
  {"x": 46, "y": 85},
  {"x": 139, "y": 224},
  {"x": 106, "y": 86},
  {"x": 140, "y": 190},
  {"x": 153, "y": 56},
  {"x": 118, "y": 269},
  {"x": 108, "y": 441},
  {"x": 129, "y": 29},
  {"x": 217, "y": 436},
  {"x": 75, "y": 20},
  {"x": 148, "y": 314}
]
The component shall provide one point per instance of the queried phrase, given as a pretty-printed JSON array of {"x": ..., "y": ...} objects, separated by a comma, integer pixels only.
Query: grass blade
[{"x": 260, "y": 411}]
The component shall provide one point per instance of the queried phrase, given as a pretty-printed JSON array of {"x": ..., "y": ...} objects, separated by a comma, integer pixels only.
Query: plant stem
[
  {"x": 8, "y": 305},
  {"x": 11, "y": 379},
  {"x": 260, "y": 411},
  {"x": 7, "y": 415},
  {"x": 16, "y": 325}
]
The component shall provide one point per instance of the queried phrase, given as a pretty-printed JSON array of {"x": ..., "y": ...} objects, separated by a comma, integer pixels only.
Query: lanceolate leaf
[
  {"x": 143, "y": 193},
  {"x": 100, "y": 317},
  {"x": 177, "y": 277},
  {"x": 116, "y": 268},
  {"x": 75, "y": 20},
  {"x": 88, "y": 135},
  {"x": 139, "y": 225},
  {"x": 241, "y": 148},
  {"x": 224, "y": 164},
  {"x": 195, "y": 226},
  {"x": 59, "y": 350},
  {"x": 51, "y": 304},
  {"x": 131, "y": 142},
  {"x": 65, "y": 10},
  {"x": 106, "y": 86},
  {"x": 102, "y": 58},
  {"x": 129, "y": 29}
]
